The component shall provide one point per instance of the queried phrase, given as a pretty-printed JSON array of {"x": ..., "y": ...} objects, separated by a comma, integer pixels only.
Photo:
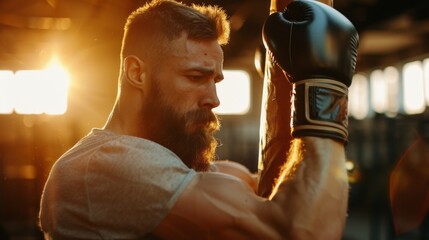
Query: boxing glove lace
[{"x": 316, "y": 47}]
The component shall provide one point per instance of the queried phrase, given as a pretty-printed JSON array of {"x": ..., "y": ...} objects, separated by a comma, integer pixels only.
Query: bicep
[
  {"x": 218, "y": 206},
  {"x": 238, "y": 170}
]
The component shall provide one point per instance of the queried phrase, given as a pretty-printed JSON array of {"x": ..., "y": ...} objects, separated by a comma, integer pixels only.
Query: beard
[{"x": 190, "y": 136}]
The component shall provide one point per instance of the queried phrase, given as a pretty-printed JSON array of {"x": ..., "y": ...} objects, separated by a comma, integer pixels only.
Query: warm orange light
[
  {"x": 57, "y": 80},
  {"x": 29, "y": 92},
  {"x": 6, "y": 92},
  {"x": 35, "y": 91}
]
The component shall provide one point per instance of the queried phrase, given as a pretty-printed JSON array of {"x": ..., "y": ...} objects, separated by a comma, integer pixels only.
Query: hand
[{"x": 316, "y": 47}]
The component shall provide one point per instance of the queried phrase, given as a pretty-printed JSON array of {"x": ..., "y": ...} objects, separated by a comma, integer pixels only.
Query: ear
[{"x": 135, "y": 71}]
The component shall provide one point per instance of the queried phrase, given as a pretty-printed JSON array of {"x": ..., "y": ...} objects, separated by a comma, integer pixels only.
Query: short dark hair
[{"x": 149, "y": 26}]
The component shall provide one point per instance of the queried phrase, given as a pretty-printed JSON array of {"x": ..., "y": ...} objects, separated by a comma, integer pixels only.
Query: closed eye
[{"x": 196, "y": 78}]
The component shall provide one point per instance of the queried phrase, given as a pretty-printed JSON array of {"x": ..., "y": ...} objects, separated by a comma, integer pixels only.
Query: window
[{"x": 234, "y": 93}]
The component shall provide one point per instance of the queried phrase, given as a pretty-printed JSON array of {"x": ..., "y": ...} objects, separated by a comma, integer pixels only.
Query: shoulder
[
  {"x": 137, "y": 180},
  {"x": 138, "y": 160}
]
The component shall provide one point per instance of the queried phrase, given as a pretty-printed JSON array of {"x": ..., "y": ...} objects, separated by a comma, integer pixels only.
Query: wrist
[{"x": 319, "y": 108}]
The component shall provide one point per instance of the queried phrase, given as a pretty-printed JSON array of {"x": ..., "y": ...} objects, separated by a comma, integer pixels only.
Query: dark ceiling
[{"x": 31, "y": 30}]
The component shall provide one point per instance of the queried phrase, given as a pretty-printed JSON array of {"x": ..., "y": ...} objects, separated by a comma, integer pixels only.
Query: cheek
[
  {"x": 183, "y": 100},
  {"x": 180, "y": 94},
  {"x": 184, "y": 105}
]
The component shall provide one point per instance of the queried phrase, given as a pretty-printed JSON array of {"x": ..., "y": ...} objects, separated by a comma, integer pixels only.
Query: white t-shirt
[{"x": 111, "y": 186}]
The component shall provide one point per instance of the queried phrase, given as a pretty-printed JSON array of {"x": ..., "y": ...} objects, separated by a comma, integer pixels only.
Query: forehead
[{"x": 184, "y": 52}]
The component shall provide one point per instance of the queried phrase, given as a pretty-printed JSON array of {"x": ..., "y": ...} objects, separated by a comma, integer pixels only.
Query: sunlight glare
[
  {"x": 42, "y": 91},
  {"x": 233, "y": 93},
  {"x": 29, "y": 92},
  {"x": 57, "y": 80}
]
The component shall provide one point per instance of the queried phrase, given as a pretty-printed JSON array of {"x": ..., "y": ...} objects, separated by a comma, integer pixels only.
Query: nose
[{"x": 210, "y": 99}]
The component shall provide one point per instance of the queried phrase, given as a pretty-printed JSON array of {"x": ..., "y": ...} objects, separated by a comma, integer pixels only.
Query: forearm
[{"x": 312, "y": 191}]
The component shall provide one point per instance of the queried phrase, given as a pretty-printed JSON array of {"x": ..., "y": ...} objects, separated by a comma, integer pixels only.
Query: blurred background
[{"x": 59, "y": 63}]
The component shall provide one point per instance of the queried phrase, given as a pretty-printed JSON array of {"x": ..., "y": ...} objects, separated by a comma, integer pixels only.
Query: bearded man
[{"x": 149, "y": 172}]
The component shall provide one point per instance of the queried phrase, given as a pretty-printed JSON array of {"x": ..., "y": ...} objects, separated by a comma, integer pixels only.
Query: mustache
[{"x": 205, "y": 119}]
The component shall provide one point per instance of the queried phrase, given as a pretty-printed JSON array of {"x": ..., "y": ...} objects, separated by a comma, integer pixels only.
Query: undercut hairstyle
[{"x": 149, "y": 28}]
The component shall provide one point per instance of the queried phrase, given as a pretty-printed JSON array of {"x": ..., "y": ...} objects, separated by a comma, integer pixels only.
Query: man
[{"x": 149, "y": 172}]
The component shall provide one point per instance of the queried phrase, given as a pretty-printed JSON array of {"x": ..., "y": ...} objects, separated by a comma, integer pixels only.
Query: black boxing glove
[{"x": 316, "y": 47}]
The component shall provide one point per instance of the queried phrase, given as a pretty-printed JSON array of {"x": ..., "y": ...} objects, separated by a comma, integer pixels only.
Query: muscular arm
[
  {"x": 314, "y": 190},
  {"x": 309, "y": 202}
]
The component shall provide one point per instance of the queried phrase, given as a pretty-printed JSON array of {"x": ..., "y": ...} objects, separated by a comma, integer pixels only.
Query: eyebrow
[{"x": 206, "y": 71}]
